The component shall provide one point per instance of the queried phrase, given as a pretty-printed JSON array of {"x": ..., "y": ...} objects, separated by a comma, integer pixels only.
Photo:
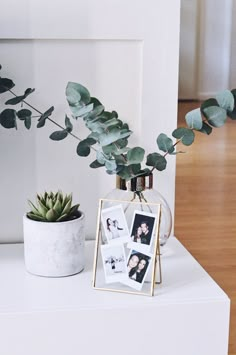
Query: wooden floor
[{"x": 205, "y": 217}]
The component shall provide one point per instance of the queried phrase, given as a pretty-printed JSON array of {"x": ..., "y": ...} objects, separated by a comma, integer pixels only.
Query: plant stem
[{"x": 50, "y": 119}]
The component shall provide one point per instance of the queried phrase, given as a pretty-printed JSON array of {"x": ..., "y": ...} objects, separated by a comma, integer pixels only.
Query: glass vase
[{"x": 140, "y": 190}]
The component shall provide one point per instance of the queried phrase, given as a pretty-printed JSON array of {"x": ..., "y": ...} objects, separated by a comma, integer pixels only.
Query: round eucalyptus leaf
[
  {"x": 58, "y": 135},
  {"x": 79, "y": 111},
  {"x": 5, "y": 85},
  {"x": 23, "y": 114},
  {"x": 165, "y": 143},
  {"x": 77, "y": 93},
  {"x": 83, "y": 149},
  {"x": 215, "y": 115},
  {"x": 185, "y": 134},
  {"x": 107, "y": 138},
  {"x": 226, "y": 100},
  {"x": 232, "y": 114},
  {"x": 8, "y": 118},
  {"x": 194, "y": 119},
  {"x": 157, "y": 161},
  {"x": 135, "y": 155},
  {"x": 208, "y": 103}
]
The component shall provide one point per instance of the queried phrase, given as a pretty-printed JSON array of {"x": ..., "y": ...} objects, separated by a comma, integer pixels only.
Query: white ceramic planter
[{"x": 54, "y": 249}]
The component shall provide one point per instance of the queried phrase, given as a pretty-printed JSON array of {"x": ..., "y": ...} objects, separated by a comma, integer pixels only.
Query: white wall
[
  {"x": 131, "y": 67},
  {"x": 205, "y": 54}
]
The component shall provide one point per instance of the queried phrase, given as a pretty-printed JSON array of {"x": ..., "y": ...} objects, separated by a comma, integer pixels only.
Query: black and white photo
[
  {"x": 114, "y": 262},
  {"x": 137, "y": 268},
  {"x": 142, "y": 230},
  {"x": 115, "y": 225}
]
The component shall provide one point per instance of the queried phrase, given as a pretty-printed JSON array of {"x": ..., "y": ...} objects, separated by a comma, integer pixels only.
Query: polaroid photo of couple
[{"x": 130, "y": 271}]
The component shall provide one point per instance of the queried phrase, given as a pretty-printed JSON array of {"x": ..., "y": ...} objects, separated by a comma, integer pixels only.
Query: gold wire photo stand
[{"x": 102, "y": 245}]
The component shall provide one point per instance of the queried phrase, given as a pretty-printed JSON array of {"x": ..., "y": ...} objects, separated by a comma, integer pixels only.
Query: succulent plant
[{"x": 53, "y": 207}]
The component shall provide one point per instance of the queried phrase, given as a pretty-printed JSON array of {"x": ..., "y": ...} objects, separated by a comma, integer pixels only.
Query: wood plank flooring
[{"x": 205, "y": 216}]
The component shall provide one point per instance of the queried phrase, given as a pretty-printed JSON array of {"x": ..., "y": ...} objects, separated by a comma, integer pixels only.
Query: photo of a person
[
  {"x": 113, "y": 228},
  {"x": 114, "y": 225},
  {"x": 142, "y": 230},
  {"x": 114, "y": 262},
  {"x": 137, "y": 267}
]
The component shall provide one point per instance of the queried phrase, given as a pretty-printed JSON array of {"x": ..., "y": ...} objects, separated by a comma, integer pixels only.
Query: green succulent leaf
[
  {"x": 6, "y": 85},
  {"x": 16, "y": 100},
  {"x": 51, "y": 215},
  {"x": 206, "y": 128},
  {"x": 59, "y": 135},
  {"x": 68, "y": 124},
  {"x": 226, "y": 100},
  {"x": 216, "y": 116},
  {"x": 8, "y": 118},
  {"x": 135, "y": 155},
  {"x": 35, "y": 217},
  {"x": 157, "y": 161},
  {"x": 194, "y": 119},
  {"x": 95, "y": 164},
  {"x": 165, "y": 143},
  {"x": 74, "y": 209},
  {"x": 185, "y": 134}
]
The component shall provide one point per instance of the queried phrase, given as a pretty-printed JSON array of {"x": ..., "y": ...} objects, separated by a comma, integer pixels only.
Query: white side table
[{"x": 40, "y": 316}]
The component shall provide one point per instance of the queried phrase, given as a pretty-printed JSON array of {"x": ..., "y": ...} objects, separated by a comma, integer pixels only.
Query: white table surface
[
  {"x": 184, "y": 280},
  {"x": 189, "y": 314}
]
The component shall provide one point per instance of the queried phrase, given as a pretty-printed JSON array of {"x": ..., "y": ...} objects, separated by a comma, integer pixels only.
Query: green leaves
[
  {"x": 44, "y": 116},
  {"x": 165, "y": 144},
  {"x": 127, "y": 172},
  {"x": 186, "y": 135},
  {"x": 77, "y": 94},
  {"x": 83, "y": 148},
  {"x": 232, "y": 114},
  {"x": 215, "y": 115},
  {"x": 226, "y": 100},
  {"x": 194, "y": 119},
  {"x": 6, "y": 85},
  {"x": 8, "y": 118},
  {"x": 16, "y": 100},
  {"x": 157, "y": 161},
  {"x": 25, "y": 115},
  {"x": 135, "y": 155},
  {"x": 58, "y": 135}
]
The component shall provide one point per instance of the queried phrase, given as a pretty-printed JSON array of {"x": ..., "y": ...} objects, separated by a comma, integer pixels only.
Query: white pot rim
[{"x": 56, "y": 223}]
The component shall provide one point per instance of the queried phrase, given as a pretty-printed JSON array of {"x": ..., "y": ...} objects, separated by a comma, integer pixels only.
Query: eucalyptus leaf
[
  {"x": 232, "y": 114},
  {"x": 157, "y": 161},
  {"x": 23, "y": 114},
  {"x": 77, "y": 93},
  {"x": 194, "y": 119},
  {"x": 95, "y": 164},
  {"x": 6, "y": 85},
  {"x": 8, "y": 118},
  {"x": 81, "y": 111},
  {"x": 135, "y": 155},
  {"x": 68, "y": 124},
  {"x": 206, "y": 128},
  {"x": 185, "y": 134},
  {"x": 44, "y": 116},
  {"x": 127, "y": 172},
  {"x": 216, "y": 116},
  {"x": 16, "y": 100},
  {"x": 83, "y": 149},
  {"x": 110, "y": 137},
  {"x": 208, "y": 103},
  {"x": 58, "y": 135},
  {"x": 111, "y": 165},
  {"x": 226, "y": 100},
  {"x": 165, "y": 143},
  {"x": 27, "y": 122}
]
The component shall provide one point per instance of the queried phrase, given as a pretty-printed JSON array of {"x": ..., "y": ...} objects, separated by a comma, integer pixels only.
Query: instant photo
[
  {"x": 142, "y": 231},
  {"x": 115, "y": 225},
  {"x": 114, "y": 262},
  {"x": 137, "y": 269}
]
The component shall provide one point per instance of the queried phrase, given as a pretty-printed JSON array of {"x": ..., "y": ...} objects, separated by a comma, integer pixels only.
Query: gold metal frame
[{"x": 156, "y": 254}]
